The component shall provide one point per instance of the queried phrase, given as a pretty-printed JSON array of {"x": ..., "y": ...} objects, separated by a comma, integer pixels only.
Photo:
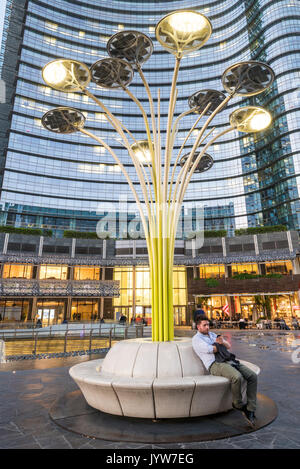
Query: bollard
[
  {"x": 91, "y": 337},
  {"x": 110, "y": 332},
  {"x": 35, "y": 343},
  {"x": 65, "y": 343}
]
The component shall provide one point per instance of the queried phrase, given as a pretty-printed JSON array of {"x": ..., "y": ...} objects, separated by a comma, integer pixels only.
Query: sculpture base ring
[{"x": 72, "y": 413}]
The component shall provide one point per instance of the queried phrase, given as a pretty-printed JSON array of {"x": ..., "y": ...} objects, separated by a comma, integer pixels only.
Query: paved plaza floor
[{"x": 29, "y": 388}]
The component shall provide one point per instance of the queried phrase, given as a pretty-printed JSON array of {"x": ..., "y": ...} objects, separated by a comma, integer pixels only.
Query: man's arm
[
  {"x": 200, "y": 346},
  {"x": 222, "y": 341}
]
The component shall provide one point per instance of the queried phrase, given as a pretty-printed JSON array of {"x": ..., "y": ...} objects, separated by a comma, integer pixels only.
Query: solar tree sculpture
[{"x": 162, "y": 175}]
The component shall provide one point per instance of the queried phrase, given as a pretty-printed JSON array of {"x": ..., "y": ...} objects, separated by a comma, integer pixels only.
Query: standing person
[
  {"x": 197, "y": 313},
  {"x": 123, "y": 319},
  {"x": 205, "y": 345},
  {"x": 39, "y": 323},
  {"x": 242, "y": 323},
  {"x": 295, "y": 323},
  {"x": 277, "y": 322}
]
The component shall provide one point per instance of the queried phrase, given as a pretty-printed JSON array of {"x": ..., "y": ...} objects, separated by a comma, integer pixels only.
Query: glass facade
[
  {"x": 64, "y": 183},
  {"x": 135, "y": 293}
]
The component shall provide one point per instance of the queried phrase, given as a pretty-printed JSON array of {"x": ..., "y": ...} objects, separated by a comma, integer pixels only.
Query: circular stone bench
[{"x": 141, "y": 378}]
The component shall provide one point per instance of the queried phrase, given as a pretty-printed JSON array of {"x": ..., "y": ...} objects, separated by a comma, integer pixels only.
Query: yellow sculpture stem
[{"x": 163, "y": 213}]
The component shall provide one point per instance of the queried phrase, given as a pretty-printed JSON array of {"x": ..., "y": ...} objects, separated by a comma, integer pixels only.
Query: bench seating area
[{"x": 145, "y": 379}]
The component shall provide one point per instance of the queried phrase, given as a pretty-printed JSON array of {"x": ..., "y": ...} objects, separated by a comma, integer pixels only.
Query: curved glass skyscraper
[{"x": 64, "y": 183}]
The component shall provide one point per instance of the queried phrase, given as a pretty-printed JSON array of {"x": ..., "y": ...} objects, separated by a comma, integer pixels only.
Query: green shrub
[
  {"x": 245, "y": 276},
  {"x": 260, "y": 229},
  {"x": 26, "y": 231},
  {"x": 212, "y": 282},
  {"x": 215, "y": 234},
  {"x": 250, "y": 276},
  {"x": 80, "y": 234}
]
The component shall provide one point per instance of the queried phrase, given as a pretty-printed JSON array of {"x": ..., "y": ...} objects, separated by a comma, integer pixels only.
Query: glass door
[
  {"x": 180, "y": 315},
  {"x": 120, "y": 311}
]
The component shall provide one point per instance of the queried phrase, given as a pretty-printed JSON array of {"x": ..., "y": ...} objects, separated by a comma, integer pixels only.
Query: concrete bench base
[{"x": 145, "y": 379}]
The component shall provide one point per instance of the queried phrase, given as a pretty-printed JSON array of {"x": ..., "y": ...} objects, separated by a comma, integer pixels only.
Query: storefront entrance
[
  {"x": 123, "y": 311},
  {"x": 248, "y": 308},
  {"x": 50, "y": 312},
  {"x": 85, "y": 310}
]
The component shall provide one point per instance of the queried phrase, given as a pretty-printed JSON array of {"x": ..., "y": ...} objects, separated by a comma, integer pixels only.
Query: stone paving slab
[{"x": 29, "y": 389}]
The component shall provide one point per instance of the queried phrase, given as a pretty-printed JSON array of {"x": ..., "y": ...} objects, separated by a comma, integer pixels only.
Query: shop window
[
  {"x": 11, "y": 310},
  {"x": 54, "y": 272},
  {"x": 87, "y": 273},
  {"x": 212, "y": 271},
  {"x": 283, "y": 268},
  {"x": 244, "y": 269},
  {"x": 17, "y": 271},
  {"x": 124, "y": 275}
]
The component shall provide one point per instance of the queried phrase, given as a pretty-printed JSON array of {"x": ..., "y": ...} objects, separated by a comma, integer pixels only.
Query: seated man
[{"x": 205, "y": 345}]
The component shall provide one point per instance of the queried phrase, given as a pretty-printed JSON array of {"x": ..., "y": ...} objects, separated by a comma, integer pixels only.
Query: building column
[
  {"x": 6, "y": 238},
  {"x": 73, "y": 248},
  {"x": 37, "y": 272},
  {"x": 41, "y": 244},
  {"x": 65, "y": 309},
  {"x": 69, "y": 308},
  {"x": 224, "y": 247},
  {"x": 33, "y": 311},
  {"x": 71, "y": 273}
]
